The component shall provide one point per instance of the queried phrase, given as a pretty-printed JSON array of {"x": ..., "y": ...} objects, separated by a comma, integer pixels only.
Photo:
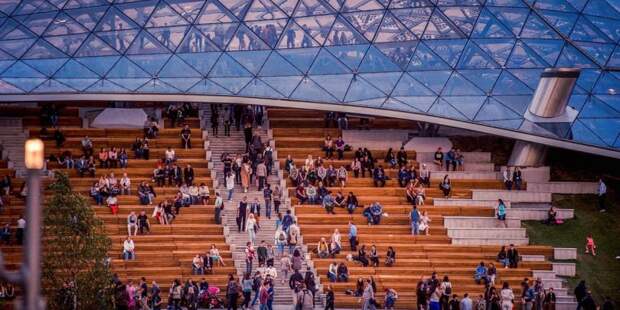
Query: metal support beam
[{"x": 527, "y": 154}]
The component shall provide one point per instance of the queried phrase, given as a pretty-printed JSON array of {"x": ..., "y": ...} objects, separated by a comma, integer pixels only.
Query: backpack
[
  {"x": 282, "y": 236},
  {"x": 304, "y": 302},
  {"x": 448, "y": 290}
]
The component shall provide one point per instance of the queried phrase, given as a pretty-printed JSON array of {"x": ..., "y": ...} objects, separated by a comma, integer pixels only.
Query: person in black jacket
[
  {"x": 295, "y": 281},
  {"x": 188, "y": 173},
  {"x": 580, "y": 293},
  {"x": 310, "y": 282},
  {"x": 513, "y": 256},
  {"x": 329, "y": 298},
  {"x": 588, "y": 302}
]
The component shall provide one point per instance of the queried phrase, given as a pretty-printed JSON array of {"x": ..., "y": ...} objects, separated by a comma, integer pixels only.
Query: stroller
[{"x": 209, "y": 299}]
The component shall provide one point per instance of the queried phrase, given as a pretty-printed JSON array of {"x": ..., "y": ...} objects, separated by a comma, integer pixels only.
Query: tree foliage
[{"x": 75, "y": 251}]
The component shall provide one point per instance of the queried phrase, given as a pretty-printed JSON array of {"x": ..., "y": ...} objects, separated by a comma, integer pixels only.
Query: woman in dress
[{"x": 246, "y": 170}]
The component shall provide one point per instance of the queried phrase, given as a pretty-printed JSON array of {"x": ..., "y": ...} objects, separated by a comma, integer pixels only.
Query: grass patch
[{"x": 602, "y": 272}]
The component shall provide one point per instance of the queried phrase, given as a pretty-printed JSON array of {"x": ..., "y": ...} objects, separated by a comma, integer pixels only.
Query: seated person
[
  {"x": 361, "y": 256},
  {"x": 321, "y": 191},
  {"x": 552, "y": 216},
  {"x": 403, "y": 176},
  {"x": 322, "y": 248},
  {"x": 446, "y": 186},
  {"x": 194, "y": 194},
  {"x": 379, "y": 177},
  {"x": 373, "y": 213},
  {"x": 340, "y": 201},
  {"x": 301, "y": 195},
  {"x": 329, "y": 203},
  {"x": 215, "y": 256},
  {"x": 96, "y": 193},
  {"x": 197, "y": 265},
  {"x": 342, "y": 174},
  {"x": 480, "y": 275},
  {"x": 312, "y": 194},
  {"x": 203, "y": 194},
  {"x": 451, "y": 160},
  {"x": 351, "y": 203},
  {"x": 438, "y": 158},
  {"x": 143, "y": 223},
  {"x": 342, "y": 273},
  {"x": 159, "y": 176},
  {"x": 112, "y": 203},
  {"x": 5, "y": 235},
  {"x": 374, "y": 256},
  {"x": 332, "y": 272},
  {"x": 129, "y": 249},
  {"x": 390, "y": 257}
]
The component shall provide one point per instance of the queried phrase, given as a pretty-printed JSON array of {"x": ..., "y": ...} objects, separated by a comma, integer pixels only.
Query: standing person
[
  {"x": 242, "y": 213},
  {"x": 19, "y": 233},
  {"x": 285, "y": 266},
  {"x": 246, "y": 171},
  {"x": 250, "y": 254},
  {"x": 580, "y": 293},
  {"x": 252, "y": 228},
  {"x": 246, "y": 286},
  {"x": 368, "y": 297},
  {"x": 501, "y": 213},
  {"x": 230, "y": 185},
  {"x": 305, "y": 299},
  {"x": 421, "y": 296},
  {"x": 601, "y": 193},
  {"x": 219, "y": 207},
  {"x": 527, "y": 295},
  {"x": 507, "y": 297},
  {"x": 261, "y": 173},
  {"x": 215, "y": 117},
  {"x": 277, "y": 197},
  {"x": 329, "y": 298},
  {"x": 415, "y": 220},
  {"x": 513, "y": 256},
  {"x": 267, "y": 195},
  {"x": 517, "y": 179},
  {"x": 353, "y": 236},
  {"x": 232, "y": 292},
  {"x": 227, "y": 120}
]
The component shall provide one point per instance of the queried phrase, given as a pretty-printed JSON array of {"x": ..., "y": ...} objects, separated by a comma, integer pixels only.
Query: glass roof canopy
[{"x": 471, "y": 60}]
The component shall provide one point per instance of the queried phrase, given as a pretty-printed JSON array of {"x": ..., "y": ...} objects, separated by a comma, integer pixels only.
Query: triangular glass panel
[
  {"x": 182, "y": 84},
  {"x": 234, "y": 85},
  {"x": 336, "y": 84},
  {"x": 577, "y": 101},
  {"x": 100, "y": 64},
  {"x": 601, "y": 8},
  {"x": 366, "y": 23},
  {"x": 131, "y": 83},
  {"x": 220, "y": 34},
  {"x": 201, "y": 62},
  {"x": 458, "y": 2},
  {"x": 588, "y": 78},
  {"x": 164, "y": 16},
  {"x": 513, "y": 18},
  {"x": 215, "y": 13},
  {"x": 399, "y": 4},
  {"x": 259, "y": 89},
  {"x": 583, "y": 134},
  {"x": 571, "y": 57},
  {"x": 463, "y": 16},
  {"x": 385, "y": 82},
  {"x": 440, "y": 27},
  {"x": 42, "y": 49},
  {"x": 488, "y": 26},
  {"x": 518, "y": 103},
  {"x": 207, "y": 87},
  {"x": 74, "y": 69},
  {"x": 87, "y": 17},
  {"x": 422, "y": 103},
  {"x": 37, "y": 23},
  {"x": 195, "y": 41},
  {"x": 68, "y": 44},
  {"x": 395, "y": 104},
  {"x": 156, "y": 86},
  {"x": 288, "y": 6},
  {"x": 283, "y": 84},
  {"x": 483, "y": 78},
  {"x": 33, "y": 6},
  {"x": 475, "y": 58},
  {"x": 494, "y": 110},
  {"x": 524, "y": 57},
  {"x": 53, "y": 86},
  {"x": 578, "y": 4},
  {"x": 528, "y": 76},
  {"x": 106, "y": 86},
  {"x": 115, "y": 20},
  {"x": 300, "y": 58},
  {"x": 263, "y": 10},
  {"x": 138, "y": 11},
  {"x": 460, "y": 86},
  {"x": 94, "y": 46},
  {"x": 415, "y": 19},
  {"x": 434, "y": 80},
  {"x": 375, "y": 61},
  {"x": 408, "y": 86},
  {"x": 585, "y": 31},
  {"x": 86, "y": 3},
  {"x": 150, "y": 63},
  {"x": 350, "y": 55},
  {"x": 361, "y": 5},
  {"x": 78, "y": 84},
  {"x": 611, "y": 100},
  {"x": 145, "y": 43},
  {"x": 443, "y": 108},
  {"x": 425, "y": 59},
  {"x": 252, "y": 60},
  {"x": 21, "y": 70},
  {"x": 467, "y": 105},
  {"x": 189, "y": 9},
  {"x": 337, "y": 4},
  {"x": 170, "y": 37},
  {"x": 392, "y": 30},
  {"x": 599, "y": 51},
  {"x": 246, "y": 40},
  {"x": 606, "y": 129},
  {"x": 448, "y": 50},
  {"x": 499, "y": 49},
  {"x": 310, "y": 91},
  {"x": 536, "y": 28},
  {"x": 295, "y": 36},
  {"x": 124, "y": 68},
  {"x": 5, "y": 64},
  {"x": 12, "y": 30},
  {"x": 326, "y": 63},
  {"x": 237, "y": 7},
  {"x": 596, "y": 108},
  {"x": 360, "y": 89},
  {"x": 16, "y": 48},
  {"x": 549, "y": 50},
  {"x": 561, "y": 21},
  {"x": 507, "y": 84},
  {"x": 8, "y": 6},
  {"x": 610, "y": 27},
  {"x": 318, "y": 27},
  {"x": 399, "y": 53},
  {"x": 26, "y": 84},
  {"x": 268, "y": 30},
  {"x": 312, "y": 8},
  {"x": 226, "y": 66},
  {"x": 177, "y": 68},
  {"x": 46, "y": 66},
  {"x": 119, "y": 40},
  {"x": 560, "y": 5},
  {"x": 276, "y": 65}
]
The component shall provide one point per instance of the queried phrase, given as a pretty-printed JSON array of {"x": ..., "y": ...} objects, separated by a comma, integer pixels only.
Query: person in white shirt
[
  {"x": 194, "y": 193},
  {"x": 251, "y": 226},
  {"x": 112, "y": 180},
  {"x": 170, "y": 156},
  {"x": 335, "y": 242},
  {"x": 230, "y": 185},
  {"x": 125, "y": 184},
  {"x": 506, "y": 297},
  {"x": 601, "y": 194},
  {"x": 466, "y": 303},
  {"x": 132, "y": 223},
  {"x": 129, "y": 249},
  {"x": 19, "y": 233},
  {"x": 203, "y": 194}
]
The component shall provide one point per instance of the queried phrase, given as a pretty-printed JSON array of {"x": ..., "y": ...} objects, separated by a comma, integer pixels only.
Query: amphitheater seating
[{"x": 417, "y": 256}]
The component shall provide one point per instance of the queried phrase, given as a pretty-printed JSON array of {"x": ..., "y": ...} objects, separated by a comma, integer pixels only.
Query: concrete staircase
[
  {"x": 283, "y": 296},
  {"x": 12, "y": 139}
]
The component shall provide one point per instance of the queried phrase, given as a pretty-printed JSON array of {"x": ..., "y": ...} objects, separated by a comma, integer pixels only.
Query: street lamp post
[{"x": 29, "y": 276}]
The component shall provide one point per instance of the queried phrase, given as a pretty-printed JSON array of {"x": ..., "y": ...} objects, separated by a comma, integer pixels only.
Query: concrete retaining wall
[
  {"x": 563, "y": 187},
  {"x": 468, "y": 167},
  {"x": 565, "y": 269},
  {"x": 489, "y": 241},
  {"x": 537, "y": 214},
  {"x": 452, "y": 222},
  {"x": 564, "y": 253},
  {"x": 467, "y": 202},
  {"x": 485, "y": 233},
  {"x": 513, "y": 196},
  {"x": 465, "y": 175},
  {"x": 537, "y": 174}
]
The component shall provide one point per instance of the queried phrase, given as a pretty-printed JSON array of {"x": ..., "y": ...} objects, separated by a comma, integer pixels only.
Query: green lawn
[{"x": 602, "y": 272}]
